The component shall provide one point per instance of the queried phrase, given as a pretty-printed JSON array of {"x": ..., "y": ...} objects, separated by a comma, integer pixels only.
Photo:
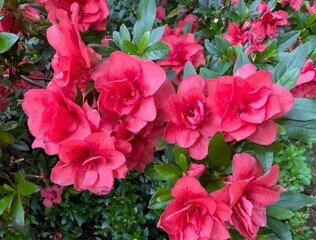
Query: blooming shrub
[{"x": 195, "y": 94}]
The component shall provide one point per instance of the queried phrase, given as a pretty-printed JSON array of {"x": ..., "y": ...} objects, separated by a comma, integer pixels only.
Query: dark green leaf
[
  {"x": 8, "y": 188},
  {"x": 20, "y": 146},
  {"x": 279, "y": 228},
  {"x": 19, "y": 177},
  {"x": 5, "y": 202},
  {"x": 208, "y": 73},
  {"x": 219, "y": 153},
  {"x": 7, "y": 40},
  {"x": 214, "y": 186},
  {"x": 8, "y": 126},
  {"x": 189, "y": 70},
  {"x": 279, "y": 213},
  {"x": 26, "y": 188},
  {"x": 103, "y": 50},
  {"x": 311, "y": 20},
  {"x": 17, "y": 211},
  {"x": 304, "y": 109},
  {"x": 242, "y": 59},
  {"x": 299, "y": 129},
  {"x": 293, "y": 201},
  {"x": 160, "y": 199},
  {"x": 145, "y": 15},
  {"x": 156, "y": 51},
  {"x": 1, "y": 4},
  {"x": 79, "y": 97},
  {"x": 223, "y": 66},
  {"x": 6, "y": 138},
  {"x": 168, "y": 170}
]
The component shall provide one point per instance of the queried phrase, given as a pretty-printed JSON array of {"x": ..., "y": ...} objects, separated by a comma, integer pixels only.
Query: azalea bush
[{"x": 186, "y": 118}]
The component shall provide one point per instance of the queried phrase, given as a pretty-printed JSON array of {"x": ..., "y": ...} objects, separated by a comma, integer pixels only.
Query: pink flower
[
  {"x": 194, "y": 214},
  {"x": 256, "y": 45},
  {"x": 248, "y": 192},
  {"x": 143, "y": 144},
  {"x": 182, "y": 49},
  {"x": 306, "y": 83},
  {"x": 91, "y": 164},
  {"x": 295, "y": 4},
  {"x": 52, "y": 195},
  {"x": 235, "y": 35},
  {"x": 73, "y": 60},
  {"x": 31, "y": 14},
  {"x": 127, "y": 90},
  {"x": 191, "y": 119},
  {"x": 248, "y": 102},
  {"x": 182, "y": 23},
  {"x": 8, "y": 23},
  {"x": 160, "y": 13},
  {"x": 91, "y": 13},
  {"x": 196, "y": 170},
  {"x": 52, "y": 118},
  {"x": 267, "y": 24},
  {"x": 312, "y": 7}
]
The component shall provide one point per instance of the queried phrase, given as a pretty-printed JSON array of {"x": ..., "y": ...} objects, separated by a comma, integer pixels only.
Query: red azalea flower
[
  {"x": 73, "y": 60},
  {"x": 295, "y": 4},
  {"x": 127, "y": 90},
  {"x": 267, "y": 24},
  {"x": 160, "y": 13},
  {"x": 52, "y": 195},
  {"x": 182, "y": 49},
  {"x": 235, "y": 35},
  {"x": 256, "y": 45},
  {"x": 92, "y": 13},
  {"x": 248, "y": 192},
  {"x": 90, "y": 164},
  {"x": 194, "y": 214},
  {"x": 248, "y": 102},
  {"x": 191, "y": 116},
  {"x": 178, "y": 30},
  {"x": 312, "y": 7},
  {"x": 306, "y": 83},
  {"x": 52, "y": 118},
  {"x": 196, "y": 170}
]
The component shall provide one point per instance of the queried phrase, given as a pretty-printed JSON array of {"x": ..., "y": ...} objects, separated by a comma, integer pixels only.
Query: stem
[{"x": 30, "y": 81}]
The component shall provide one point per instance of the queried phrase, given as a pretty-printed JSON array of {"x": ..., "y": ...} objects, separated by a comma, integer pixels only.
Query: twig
[{"x": 30, "y": 81}]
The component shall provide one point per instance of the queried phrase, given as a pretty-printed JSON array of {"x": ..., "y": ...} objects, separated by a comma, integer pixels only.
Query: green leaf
[
  {"x": 219, "y": 153},
  {"x": 6, "y": 41},
  {"x": 5, "y": 202},
  {"x": 26, "y": 188},
  {"x": 289, "y": 78},
  {"x": 124, "y": 33},
  {"x": 105, "y": 51},
  {"x": 156, "y": 35},
  {"x": 1, "y": 4},
  {"x": 299, "y": 129},
  {"x": 287, "y": 40},
  {"x": 168, "y": 170},
  {"x": 223, "y": 66},
  {"x": 145, "y": 15},
  {"x": 304, "y": 109},
  {"x": 279, "y": 228},
  {"x": 178, "y": 151},
  {"x": 20, "y": 146},
  {"x": 242, "y": 59},
  {"x": 79, "y": 97},
  {"x": 130, "y": 47},
  {"x": 17, "y": 211},
  {"x": 8, "y": 126},
  {"x": 188, "y": 70},
  {"x": 160, "y": 199},
  {"x": 214, "y": 186},
  {"x": 144, "y": 41},
  {"x": 311, "y": 20},
  {"x": 8, "y": 188},
  {"x": 156, "y": 51},
  {"x": 182, "y": 162},
  {"x": 19, "y": 177},
  {"x": 280, "y": 213},
  {"x": 6, "y": 138},
  {"x": 293, "y": 201},
  {"x": 208, "y": 73}
]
